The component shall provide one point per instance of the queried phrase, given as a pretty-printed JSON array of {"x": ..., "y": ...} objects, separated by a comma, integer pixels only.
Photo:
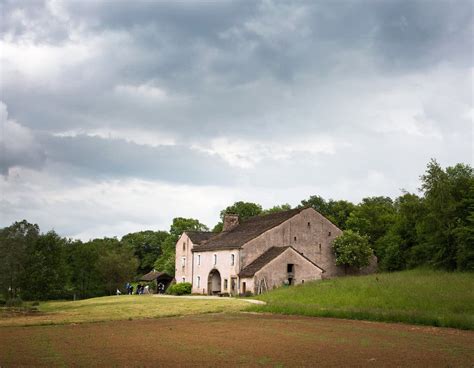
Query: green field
[
  {"x": 112, "y": 308},
  {"x": 417, "y": 296}
]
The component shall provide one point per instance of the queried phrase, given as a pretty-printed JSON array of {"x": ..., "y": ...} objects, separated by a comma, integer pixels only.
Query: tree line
[{"x": 434, "y": 229}]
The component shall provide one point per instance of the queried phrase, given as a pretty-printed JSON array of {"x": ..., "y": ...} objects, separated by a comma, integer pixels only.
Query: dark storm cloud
[
  {"x": 113, "y": 158},
  {"x": 270, "y": 72}
]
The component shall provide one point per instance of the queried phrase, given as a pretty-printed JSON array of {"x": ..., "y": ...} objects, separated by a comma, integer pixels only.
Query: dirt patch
[
  {"x": 19, "y": 312},
  {"x": 216, "y": 340}
]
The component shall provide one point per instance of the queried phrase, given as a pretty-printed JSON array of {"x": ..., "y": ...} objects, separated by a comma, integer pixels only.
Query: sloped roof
[
  {"x": 266, "y": 258},
  {"x": 153, "y": 275},
  {"x": 197, "y": 237},
  {"x": 246, "y": 231},
  {"x": 261, "y": 261}
]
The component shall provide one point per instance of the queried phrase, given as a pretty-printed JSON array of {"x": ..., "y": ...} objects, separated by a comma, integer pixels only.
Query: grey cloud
[
  {"x": 114, "y": 158},
  {"x": 389, "y": 82}
]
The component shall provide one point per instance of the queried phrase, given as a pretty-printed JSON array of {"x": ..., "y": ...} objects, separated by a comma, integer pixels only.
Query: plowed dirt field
[{"x": 225, "y": 340}]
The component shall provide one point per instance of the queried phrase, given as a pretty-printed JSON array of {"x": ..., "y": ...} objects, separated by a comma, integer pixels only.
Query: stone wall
[
  {"x": 276, "y": 273},
  {"x": 309, "y": 233}
]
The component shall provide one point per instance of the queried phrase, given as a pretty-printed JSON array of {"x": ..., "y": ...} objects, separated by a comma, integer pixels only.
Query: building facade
[{"x": 261, "y": 253}]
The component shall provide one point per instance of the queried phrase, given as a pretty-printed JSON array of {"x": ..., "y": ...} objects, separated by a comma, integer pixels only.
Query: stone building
[{"x": 260, "y": 253}]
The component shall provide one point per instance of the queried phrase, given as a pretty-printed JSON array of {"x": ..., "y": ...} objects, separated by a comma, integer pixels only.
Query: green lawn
[
  {"x": 417, "y": 296},
  {"x": 118, "y": 308}
]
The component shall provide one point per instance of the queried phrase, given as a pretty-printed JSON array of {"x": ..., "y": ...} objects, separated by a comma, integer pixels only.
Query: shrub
[
  {"x": 352, "y": 249},
  {"x": 14, "y": 302},
  {"x": 179, "y": 289}
]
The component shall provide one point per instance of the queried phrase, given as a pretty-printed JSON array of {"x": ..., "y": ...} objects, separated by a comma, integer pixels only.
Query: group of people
[{"x": 141, "y": 289}]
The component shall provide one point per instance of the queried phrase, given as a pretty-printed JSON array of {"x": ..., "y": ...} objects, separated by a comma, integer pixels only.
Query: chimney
[{"x": 230, "y": 221}]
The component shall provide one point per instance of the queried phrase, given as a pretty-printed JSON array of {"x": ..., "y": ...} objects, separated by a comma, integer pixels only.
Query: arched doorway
[{"x": 214, "y": 282}]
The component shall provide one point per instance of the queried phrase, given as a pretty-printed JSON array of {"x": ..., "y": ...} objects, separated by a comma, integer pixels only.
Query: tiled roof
[
  {"x": 153, "y": 275},
  {"x": 261, "y": 261},
  {"x": 246, "y": 231},
  {"x": 197, "y": 237}
]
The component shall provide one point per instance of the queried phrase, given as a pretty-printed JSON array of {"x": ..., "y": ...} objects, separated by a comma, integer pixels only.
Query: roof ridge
[{"x": 247, "y": 230}]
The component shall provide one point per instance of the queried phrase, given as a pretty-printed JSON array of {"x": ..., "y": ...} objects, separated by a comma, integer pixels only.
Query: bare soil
[{"x": 244, "y": 339}]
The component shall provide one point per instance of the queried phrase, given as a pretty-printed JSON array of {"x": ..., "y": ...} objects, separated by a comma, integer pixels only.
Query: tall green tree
[
  {"x": 396, "y": 247},
  {"x": 337, "y": 212},
  {"x": 46, "y": 275},
  {"x": 116, "y": 267},
  {"x": 15, "y": 242},
  {"x": 245, "y": 210},
  {"x": 166, "y": 262},
  {"x": 146, "y": 246},
  {"x": 85, "y": 278},
  {"x": 442, "y": 231},
  {"x": 372, "y": 217},
  {"x": 276, "y": 209}
]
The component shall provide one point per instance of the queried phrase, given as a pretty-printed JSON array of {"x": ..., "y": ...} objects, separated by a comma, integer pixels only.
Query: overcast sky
[{"x": 117, "y": 116}]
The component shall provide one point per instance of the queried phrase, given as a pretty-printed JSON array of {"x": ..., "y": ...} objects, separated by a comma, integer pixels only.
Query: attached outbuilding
[{"x": 278, "y": 266}]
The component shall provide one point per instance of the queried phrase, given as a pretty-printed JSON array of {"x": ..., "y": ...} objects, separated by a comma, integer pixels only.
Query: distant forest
[{"x": 433, "y": 229}]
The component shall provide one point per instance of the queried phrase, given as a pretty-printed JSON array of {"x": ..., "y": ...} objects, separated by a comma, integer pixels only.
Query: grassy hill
[
  {"x": 114, "y": 308},
  {"x": 417, "y": 296}
]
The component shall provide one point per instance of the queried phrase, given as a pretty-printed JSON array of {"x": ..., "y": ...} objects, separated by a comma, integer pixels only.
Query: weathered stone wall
[
  {"x": 275, "y": 272},
  {"x": 309, "y": 233}
]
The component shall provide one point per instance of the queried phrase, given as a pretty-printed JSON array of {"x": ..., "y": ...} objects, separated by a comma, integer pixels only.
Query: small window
[
  {"x": 184, "y": 246},
  {"x": 183, "y": 261},
  {"x": 319, "y": 247},
  {"x": 290, "y": 267},
  {"x": 225, "y": 284},
  {"x": 199, "y": 281},
  {"x": 309, "y": 224},
  {"x": 184, "y": 279},
  {"x": 329, "y": 233},
  {"x": 302, "y": 281},
  {"x": 199, "y": 259},
  {"x": 215, "y": 259},
  {"x": 232, "y": 259},
  {"x": 294, "y": 238}
]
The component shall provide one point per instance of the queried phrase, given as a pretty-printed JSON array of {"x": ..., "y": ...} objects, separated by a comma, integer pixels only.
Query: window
[
  {"x": 244, "y": 287},
  {"x": 215, "y": 259},
  {"x": 302, "y": 281},
  {"x": 199, "y": 259},
  {"x": 329, "y": 233},
  {"x": 294, "y": 238},
  {"x": 232, "y": 259},
  {"x": 184, "y": 247},
  {"x": 309, "y": 224},
  {"x": 199, "y": 281},
  {"x": 184, "y": 279},
  {"x": 183, "y": 261},
  {"x": 290, "y": 268},
  {"x": 319, "y": 247},
  {"x": 225, "y": 284}
]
